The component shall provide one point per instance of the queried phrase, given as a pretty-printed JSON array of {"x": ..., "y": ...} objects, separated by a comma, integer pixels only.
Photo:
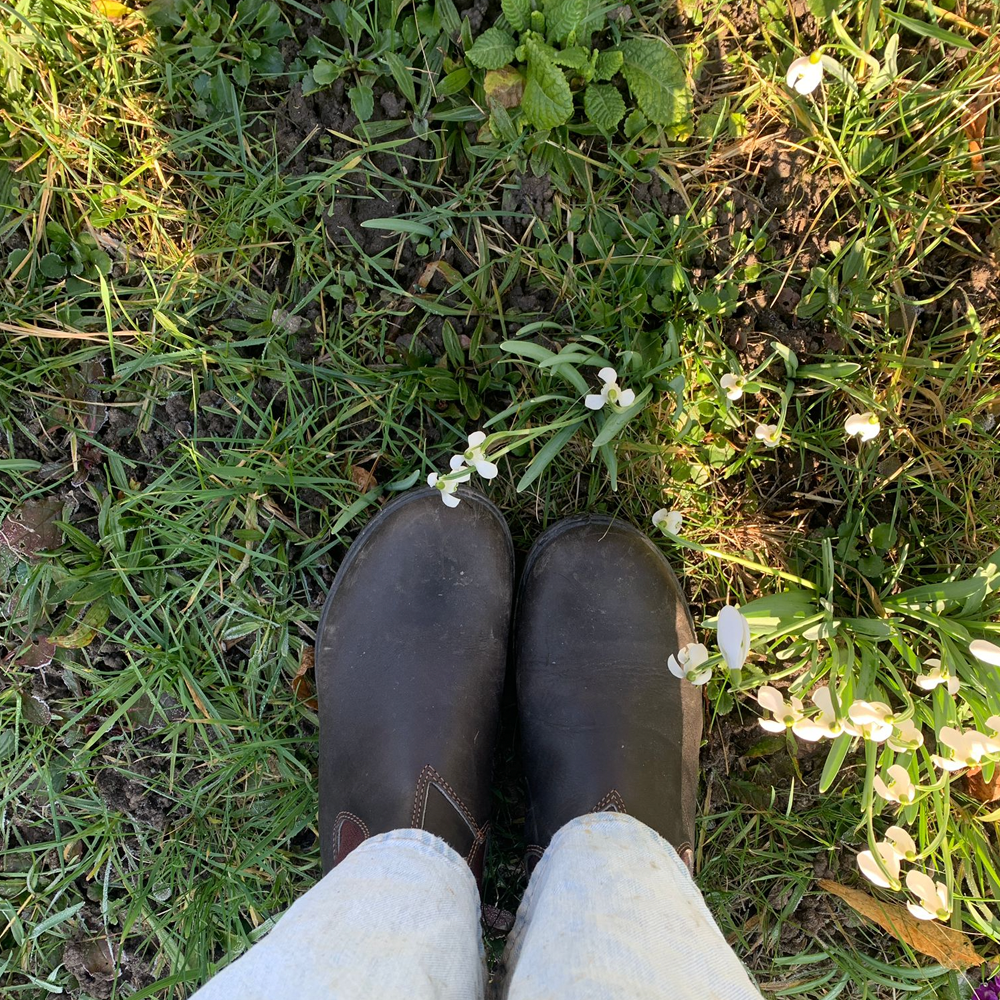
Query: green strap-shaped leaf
[
  {"x": 608, "y": 63},
  {"x": 547, "y": 100},
  {"x": 518, "y": 12},
  {"x": 604, "y": 106},
  {"x": 656, "y": 78},
  {"x": 492, "y": 49}
]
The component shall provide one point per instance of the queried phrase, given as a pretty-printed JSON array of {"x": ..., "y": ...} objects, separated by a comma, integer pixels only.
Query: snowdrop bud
[
  {"x": 805, "y": 74},
  {"x": 988, "y": 652},
  {"x": 733, "y": 636}
]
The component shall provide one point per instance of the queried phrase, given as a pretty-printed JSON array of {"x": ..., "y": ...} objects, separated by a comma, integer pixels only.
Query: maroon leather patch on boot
[{"x": 348, "y": 832}]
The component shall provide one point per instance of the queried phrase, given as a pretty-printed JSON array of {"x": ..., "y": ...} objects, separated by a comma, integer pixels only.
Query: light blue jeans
[{"x": 610, "y": 913}]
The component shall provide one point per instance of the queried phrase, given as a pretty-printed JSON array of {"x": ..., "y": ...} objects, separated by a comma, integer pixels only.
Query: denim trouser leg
[{"x": 397, "y": 919}]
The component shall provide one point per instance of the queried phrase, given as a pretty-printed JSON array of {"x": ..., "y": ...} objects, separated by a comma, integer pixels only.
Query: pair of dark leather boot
[{"x": 411, "y": 653}]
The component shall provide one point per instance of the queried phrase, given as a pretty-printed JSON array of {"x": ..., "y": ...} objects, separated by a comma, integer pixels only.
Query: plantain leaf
[
  {"x": 656, "y": 78},
  {"x": 547, "y": 100},
  {"x": 604, "y": 106},
  {"x": 492, "y": 49}
]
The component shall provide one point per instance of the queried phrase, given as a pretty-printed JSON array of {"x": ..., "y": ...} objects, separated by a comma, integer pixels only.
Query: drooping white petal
[
  {"x": 901, "y": 843},
  {"x": 675, "y": 668},
  {"x": 771, "y": 698},
  {"x": 608, "y": 375},
  {"x": 594, "y": 402},
  {"x": 660, "y": 515},
  {"x": 700, "y": 677},
  {"x": 804, "y": 74},
  {"x": 487, "y": 470},
  {"x": 932, "y": 897},
  {"x": 626, "y": 397},
  {"x": 733, "y": 636},
  {"x": 456, "y": 462},
  {"x": 450, "y": 499},
  {"x": 864, "y": 426},
  {"x": 906, "y": 736},
  {"x": 994, "y": 723},
  {"x": 732, "y": 385},
  {"x": 772, "y": 725},
  {"x": 432, "y": 479},
  {"x": 919, "y": 912},
  {"x": 986, "y": 651},
  {"x": 871, "y": 870},
  {"x": 476, "y": 439},
  {"x": 947, "y": 763},
  {"x": 810, "y": 730},
  {"x": 672, "y": 522}
]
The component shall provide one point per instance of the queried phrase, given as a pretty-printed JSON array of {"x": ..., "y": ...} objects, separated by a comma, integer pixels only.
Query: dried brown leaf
[
  {"x": 363, "y": 478},
  {"x": 31, "y": 528},
  {"x": 946, "y": 945},
  {"x": 34, "y": 655},
  {"x": 302, "y": 686}
]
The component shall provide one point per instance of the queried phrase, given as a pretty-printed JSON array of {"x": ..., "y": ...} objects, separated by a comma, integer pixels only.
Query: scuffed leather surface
[
  {"x": 410, "y": 658},
  {"x": 599, "y": 612}
]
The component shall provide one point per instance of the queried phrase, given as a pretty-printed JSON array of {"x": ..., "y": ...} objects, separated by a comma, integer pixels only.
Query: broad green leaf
[
  {"x": 525, "y": 349},
  {"x": 547, "y": 100},
  {"x": 492, "y": 49},
  {"x": 454, "y": 82},
  {"x": 562, "y": 17},
  {"x": 604, "y": 106},
  {"x": 608, "y": 63},
  {"x": 778, "y": 611},
  {"x": 821, "y": 9},
  {"x": 574, "y": 58},
  {"x": 402, "y": 76},
  {"x": 615, "y": 423},
  {"x": 656, "y": 78},
  {"x": 448, "y": 13},
  {"x": 325, "y": 72},
  {"x": 829, "y": 371},
  {"x": 546, "y": 454},
  {"x": 362, "y": 99},
  {"x": 834, "y": 759},
  {"x": 52, "y": 266},
  {"x": 939, "y": 34},
  {"x": 518, "y": 12}
]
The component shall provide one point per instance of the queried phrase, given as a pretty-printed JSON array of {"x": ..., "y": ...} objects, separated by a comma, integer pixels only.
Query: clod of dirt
[{"x": 129, "y": 795}]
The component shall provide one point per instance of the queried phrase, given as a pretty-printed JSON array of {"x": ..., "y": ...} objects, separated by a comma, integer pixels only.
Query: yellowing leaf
[
  {"x": 110, "y": 9},
  {"x": 950, "y": 947}
]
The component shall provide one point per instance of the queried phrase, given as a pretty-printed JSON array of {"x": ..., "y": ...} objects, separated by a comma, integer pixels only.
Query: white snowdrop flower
[
  {"x": 669, "y": 520},
  {"x": 888, "y": 879},
  {"x": 899, "y": 787},
  {"x": 786, "y": 713},
  {"x": 864, "y": 426},
  {"x": 475, "y": 456},
  {"x": 988, "y": 652},
  {"x": 610, "y": 392},
  {"x": 933, "y": 898},
  {"x": 689, "y": 663},
  {"x": 823, "y": 726},
  {"x": 967, "y": 749},
  {"x": 871, "y": 720},
  {"x": 901, "y": 843},
  {"x": 733, "y": 636},
  {"x": 905, "y": 736},
  {"x": 769, "y": 434},
  {"x": 936, "y": 676},
  {"x": 805, "y": 73},
  {"x": 732, "y": 385},
  {"x": 448, "y": 486}
]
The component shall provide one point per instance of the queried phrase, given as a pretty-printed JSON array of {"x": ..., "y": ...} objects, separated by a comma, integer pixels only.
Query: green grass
[{"x": 220, "y": 407}]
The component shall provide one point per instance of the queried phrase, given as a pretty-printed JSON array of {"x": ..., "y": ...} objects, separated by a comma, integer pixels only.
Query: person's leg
[
  {"x": 411, "y": 652},
  {"x": 611, "y": 910},
  {"x": 612, "y": 913},
  {"x": 398, "y": 920}
]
